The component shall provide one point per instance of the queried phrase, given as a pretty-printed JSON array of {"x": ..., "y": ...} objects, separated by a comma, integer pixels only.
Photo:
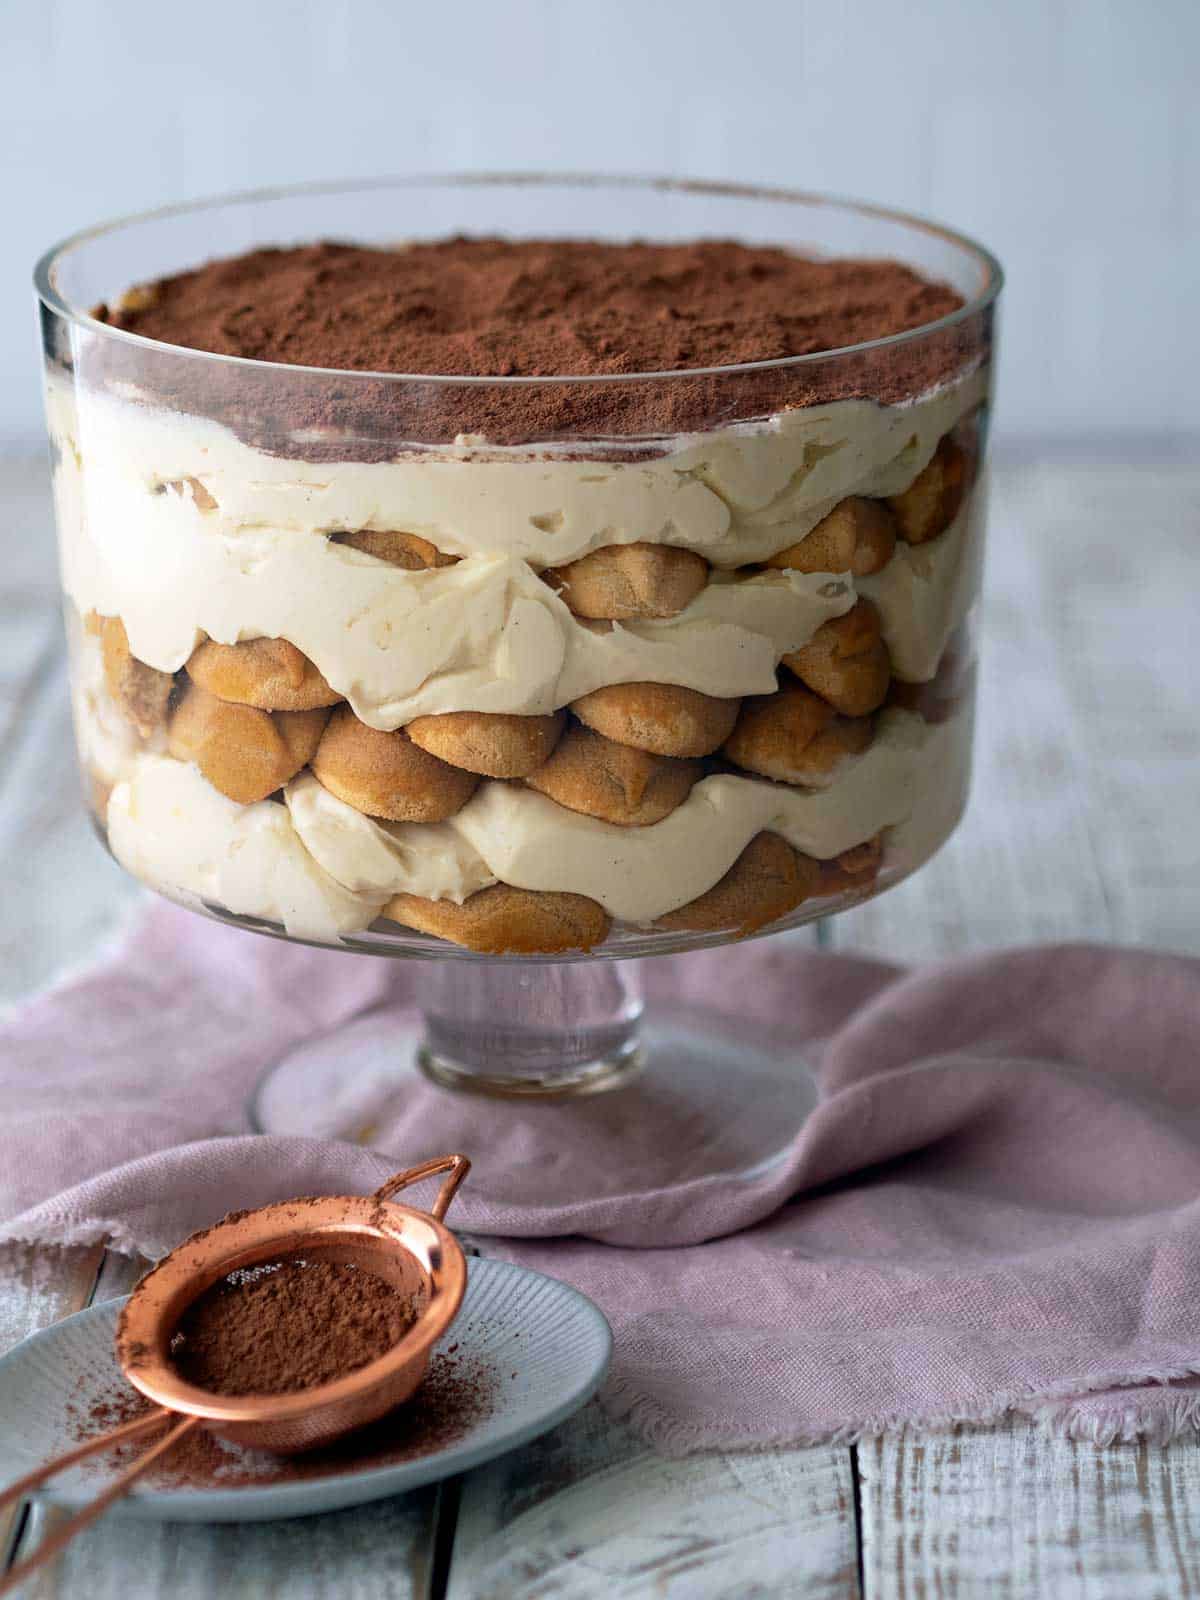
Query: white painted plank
[
  {"x": 69, "y": 893},
  {"x": 30, "y": 637},
  {"x": 117, "y": 1275},
  {"x": 375, "y": 1552},
  {"x": 38, "y": 1286},
  {"x": 1120, "y": 555},
  {"x": 65, "y": 894},
  {"x": 985, "y": 1514},
  {"x": 26, "y": 515},
  {"x": 589, "y": 1512}
]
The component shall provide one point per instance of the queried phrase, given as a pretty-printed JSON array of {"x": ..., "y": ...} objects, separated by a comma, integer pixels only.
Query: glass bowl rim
[{"x": 44, "y": 274}]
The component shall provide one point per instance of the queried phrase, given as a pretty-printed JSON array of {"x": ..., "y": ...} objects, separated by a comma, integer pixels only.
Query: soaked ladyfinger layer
[
  {"x": 854, "y": 871},
  {"x": 398, "y": 549},
  {"x": 910, "y": 779},
  {"x": 323, "y": 869},
  {"x": 858, "y": 536},
  {"x": 139, "y": 692},
  {"x": 930, "y": 503},
  {"x": 842, "y": 660},
  {"x": 107, "y": 736}
]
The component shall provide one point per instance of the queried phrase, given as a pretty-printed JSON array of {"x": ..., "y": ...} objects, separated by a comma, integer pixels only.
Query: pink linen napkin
[{"x": 995, "y": 1204}]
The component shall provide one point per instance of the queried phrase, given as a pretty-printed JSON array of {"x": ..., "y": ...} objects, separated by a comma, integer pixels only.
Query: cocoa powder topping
[
  {"x": 532, "y": 308},
  {"x": 486, "y": 307}
]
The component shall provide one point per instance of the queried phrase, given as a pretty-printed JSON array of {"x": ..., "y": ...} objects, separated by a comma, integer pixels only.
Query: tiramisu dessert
[{"x": 523, "y": 666}]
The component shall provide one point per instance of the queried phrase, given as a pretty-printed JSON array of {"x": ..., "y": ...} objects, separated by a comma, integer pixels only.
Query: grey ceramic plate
[{"x": 540, "y": 1348}]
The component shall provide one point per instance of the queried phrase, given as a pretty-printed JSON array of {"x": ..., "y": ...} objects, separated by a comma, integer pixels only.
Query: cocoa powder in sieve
[{"x": 286, "y": 1326}]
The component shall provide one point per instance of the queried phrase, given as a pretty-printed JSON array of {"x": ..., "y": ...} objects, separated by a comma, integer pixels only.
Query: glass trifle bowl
[{"x": 529, "y": 676}]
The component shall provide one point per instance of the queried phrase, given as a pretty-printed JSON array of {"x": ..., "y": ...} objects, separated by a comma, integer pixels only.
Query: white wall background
[{"x": 1065, "y": 133}]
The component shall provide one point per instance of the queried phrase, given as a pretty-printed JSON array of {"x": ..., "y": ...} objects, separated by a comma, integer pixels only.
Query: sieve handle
[
  {"x": 119, "y": 1486},
  {"x": 457, "y": 1166}
]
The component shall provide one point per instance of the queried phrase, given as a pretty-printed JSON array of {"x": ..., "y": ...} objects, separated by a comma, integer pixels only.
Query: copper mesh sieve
[{"x": 410, "y": 1249}]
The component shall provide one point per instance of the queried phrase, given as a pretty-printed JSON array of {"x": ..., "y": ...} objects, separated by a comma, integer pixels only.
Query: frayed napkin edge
[
  {"x": 1072, "y": 1417},
  {"x": 1125, "y": 1424}
]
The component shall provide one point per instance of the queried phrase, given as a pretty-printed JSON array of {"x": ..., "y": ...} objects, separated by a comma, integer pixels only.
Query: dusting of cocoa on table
[{"x": 455, "y": 1395}]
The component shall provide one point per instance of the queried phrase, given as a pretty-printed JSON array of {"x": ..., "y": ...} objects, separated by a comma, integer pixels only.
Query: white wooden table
[{"x": 1083, "y": 825}]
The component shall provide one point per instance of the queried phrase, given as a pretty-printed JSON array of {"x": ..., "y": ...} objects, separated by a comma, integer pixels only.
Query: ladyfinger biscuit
[
  {"x": 494, "y": 744},
  {"x": 268, "y": 673},
  {"x": 659, "y": 717},
  {"x": 795, "y": 737},
  {"x": 140, "y": 692},
  {"x": 506, "y": 921},
  {"x": 386, "y": 774},
  {"x": 856, "y": 868},
  {"x": 931, "y": 502},
  {"x": 624, "y": 581},
  {"x": 245, "y": 753},
  {"x": 614, "y": 782},
  {"x": 407, "y": 550},
  {"x": 858, "y": 536},
  {"x": 846, "y": 662},
  {"x": 767, "y": 880}
]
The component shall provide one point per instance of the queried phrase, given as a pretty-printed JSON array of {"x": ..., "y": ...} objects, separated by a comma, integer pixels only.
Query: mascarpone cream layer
[
  {"x": 926, "y": 590},
  {"x": 323, "y": 869},
  {"x": 735, "y": 494},
  {"x": 175, "y": 525},
  {"x": 169, "y": 827}
]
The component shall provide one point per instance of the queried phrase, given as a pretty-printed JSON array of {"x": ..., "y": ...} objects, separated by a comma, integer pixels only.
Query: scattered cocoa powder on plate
[{"x": 456, "y": 1394}]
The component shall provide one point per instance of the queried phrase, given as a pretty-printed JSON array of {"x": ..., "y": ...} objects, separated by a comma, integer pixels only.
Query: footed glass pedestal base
[
  {"x": 718, "y": 1095},
  {"x": 592, "y": 1076},
  {"x": 353, "y": 1084},
  {"x": 532, "y": 1029}
]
